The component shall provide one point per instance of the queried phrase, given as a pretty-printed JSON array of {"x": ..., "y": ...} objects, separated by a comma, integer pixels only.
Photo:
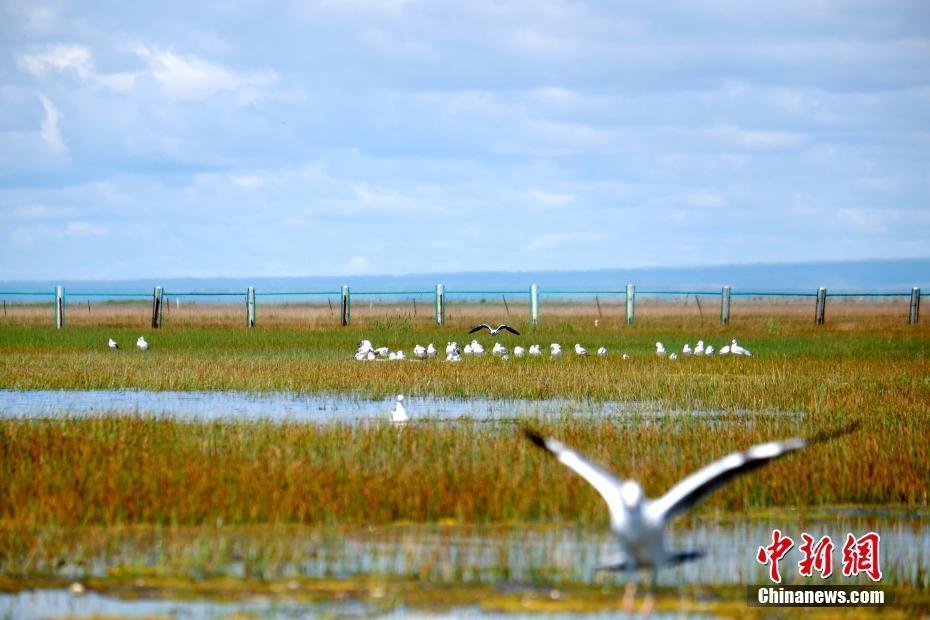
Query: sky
[{"x": 346, "y": 137}]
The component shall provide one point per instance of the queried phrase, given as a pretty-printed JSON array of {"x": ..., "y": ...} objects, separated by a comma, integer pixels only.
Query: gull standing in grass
[
  {"x": 555, "y": 350},
  {"x": 725, "y": 350},
  {"x": 673, "y": 356},
  {"x": 499, "y": 349},
  {"x": 519, "y": 351},
  {"x": 142, "y": 344},
  {"x": 477, "y": 348},
  {"x": 736, "y": 349},
  {"x": 112, "y": 344},
  {"x": 660, "y": 349},
  {"x": 431, "y": 350},
  {"x": 709, "y": 350},
  {"x": 639, "y": 522},
  {"x": 399, "y": 413},
  {"x": 580, "y": 350},
  {"x": 534, "y": 349},
  {"x": 602, "y": 352},
  {"x": 494, "y": 330},
  {"x": 626, "y": 356},
  {"x": 419, "y": 351},
  {"x": 699, "y": 348},
  {"x": 686, "y": 350}
]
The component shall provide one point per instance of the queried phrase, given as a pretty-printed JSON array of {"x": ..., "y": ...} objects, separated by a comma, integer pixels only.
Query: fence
[{"x": 440, "y": 295}]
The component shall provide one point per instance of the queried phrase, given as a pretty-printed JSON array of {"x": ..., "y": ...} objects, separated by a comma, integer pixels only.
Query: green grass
[{"x": 66, "y": 478}]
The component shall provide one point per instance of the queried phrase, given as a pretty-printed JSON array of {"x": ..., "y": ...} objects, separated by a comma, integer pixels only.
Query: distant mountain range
[{"x": 853, "y": 276}]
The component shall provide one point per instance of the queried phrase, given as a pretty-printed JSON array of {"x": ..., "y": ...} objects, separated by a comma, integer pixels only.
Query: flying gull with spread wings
[
  {"x": 494, "y": 331},
  {"x": 639, "y": 522}
]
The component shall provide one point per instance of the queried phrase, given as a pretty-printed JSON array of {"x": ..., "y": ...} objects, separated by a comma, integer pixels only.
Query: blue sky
[{"x": 353, "y": 136}]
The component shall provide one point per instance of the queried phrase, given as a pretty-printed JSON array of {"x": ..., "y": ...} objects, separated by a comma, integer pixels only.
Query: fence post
[
  {"x": 346, "y": 306},
  {"x": 915, "y": 306},
  {"x": 725, "y": 306},
  {"x": 156, "y": 307},
  {"x": 534, "y": 304},
  {"x": 250, "y": 308},
  {"x": 821, "y": 308},
  {"x": 630, "y": 303},
  {"x": 59, "y": 307},
  {"x": 440, "y": 305}
]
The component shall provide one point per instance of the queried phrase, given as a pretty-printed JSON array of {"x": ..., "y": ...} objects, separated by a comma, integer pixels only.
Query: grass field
[{"x": 64, "y": 479}]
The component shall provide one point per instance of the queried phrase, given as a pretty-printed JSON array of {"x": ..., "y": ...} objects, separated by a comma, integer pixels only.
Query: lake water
[
  {"x": 511, "y": 560},
  {"x": 319, "y": 408}
]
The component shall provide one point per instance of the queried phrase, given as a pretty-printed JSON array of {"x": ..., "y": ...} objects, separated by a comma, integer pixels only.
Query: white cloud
[
  {"x": 549, "y": 200},
  {"x": 248, "y": 181},
  {"x": 84, "y": 229},
  {"x": 747, "y": 138},
  {"x": 188, "y": 78},
  {"x": 42, "y": 212},
  {"x": 357, "y": 265},
  {"x": 554, "y": 239},
  {"x": 706, "y": 200},
  {"x": 50, "y": 132},
  {"x": 75, "y": 59}
]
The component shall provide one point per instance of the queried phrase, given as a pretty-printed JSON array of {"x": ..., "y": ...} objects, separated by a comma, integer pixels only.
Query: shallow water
[
  {"x": 510, "y": 560},
  {"x": 319, "y": 408}
]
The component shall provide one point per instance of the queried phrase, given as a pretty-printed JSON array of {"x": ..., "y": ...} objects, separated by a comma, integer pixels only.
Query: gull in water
[
  {"x": 419, "y": 351},
  {"x": 660, "y": 349},
  {"x": 398, "y": 413},
  {"x": 699, "y": 348},
  {"x": 112, "y": 344},
  {"x": 431, "y": 350},
  {"x": 555, "y": 350},
  {"x": 735, "y": 349},
  {"x": 686, "y": 350},
  {"x": 639, "y": 522},
  {"x": 602, "y": 352},
  {"x": 142, "y": 344},
  {"x": 709, "y": 350},
  {"x": 494, "y": 331},
  {"x": 580, "y": 350},
  {"x": 519, "y": 351},
  {"x": 499, "y": 349},
  {"x": 534, "y": 349}
]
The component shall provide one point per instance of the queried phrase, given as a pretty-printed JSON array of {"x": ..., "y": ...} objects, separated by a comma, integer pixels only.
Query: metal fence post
[
  {"x": 440, "y": 304},
  {"x": 346, "y": 306},
  {"x": 630, "y": 303},
  {"x": 534, "y": 304},
  {"x": 59, "y": 307},
  {"x": 915, "y": 306},
  {"x": 821, "y": 308},
  {"x": 250, "y": 308},
  {"x": 725, "y": 306}
]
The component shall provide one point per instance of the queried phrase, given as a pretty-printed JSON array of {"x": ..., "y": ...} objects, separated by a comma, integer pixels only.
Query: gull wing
[
  {"x": 603, "y": 481},
  {"x": 692, "y": 489},
  {"x": 508, "y": 328},
  {"x": 480, "y": 327}
]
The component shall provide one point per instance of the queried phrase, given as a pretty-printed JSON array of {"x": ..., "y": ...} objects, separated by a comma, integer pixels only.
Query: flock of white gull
[{"x": 368, "y": 352}]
